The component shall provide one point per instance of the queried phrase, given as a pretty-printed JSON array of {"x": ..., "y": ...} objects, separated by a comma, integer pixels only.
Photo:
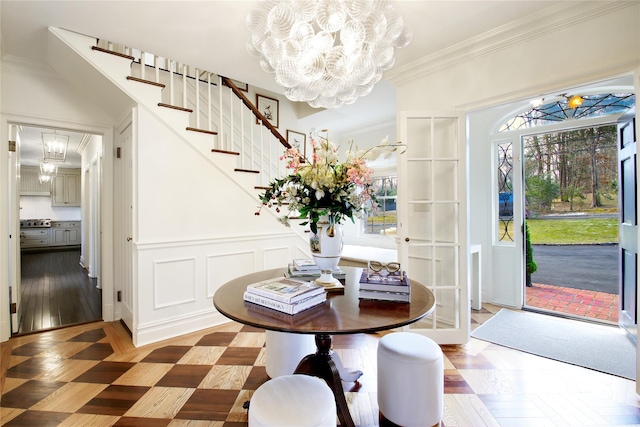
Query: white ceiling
[
  {"x": 31, "y": 146},
  {"x": 211, "y": 35}
]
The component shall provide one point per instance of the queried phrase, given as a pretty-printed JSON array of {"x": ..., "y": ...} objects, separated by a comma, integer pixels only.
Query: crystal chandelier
[{"x": 326, "y": 52}]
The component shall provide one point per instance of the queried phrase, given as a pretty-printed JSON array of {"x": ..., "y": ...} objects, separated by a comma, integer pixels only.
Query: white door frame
[
  {"x": 15, "y": 278},
  {"x": 507, "y": 268},
  {"x": 108, "y": 296}
]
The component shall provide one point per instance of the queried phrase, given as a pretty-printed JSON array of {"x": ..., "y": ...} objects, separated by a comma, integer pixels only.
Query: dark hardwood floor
[{"x": 56, "y": 291}]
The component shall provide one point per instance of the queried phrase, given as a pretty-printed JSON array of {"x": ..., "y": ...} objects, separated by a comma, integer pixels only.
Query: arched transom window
[{"x": 574, "y": 107}]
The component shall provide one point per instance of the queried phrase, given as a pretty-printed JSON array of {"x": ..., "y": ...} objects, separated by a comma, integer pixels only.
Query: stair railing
[{"x": 239, "y": 127}]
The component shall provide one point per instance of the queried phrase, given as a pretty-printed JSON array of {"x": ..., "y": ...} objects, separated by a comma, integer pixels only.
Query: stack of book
[
  {"x": 285, "y": 294},
  {"x": 392, "y": 287},
  {"x": 302, "y": 269}
]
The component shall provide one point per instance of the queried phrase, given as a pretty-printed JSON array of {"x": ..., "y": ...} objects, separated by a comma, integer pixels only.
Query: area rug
[{"x": 599, "y": 347}]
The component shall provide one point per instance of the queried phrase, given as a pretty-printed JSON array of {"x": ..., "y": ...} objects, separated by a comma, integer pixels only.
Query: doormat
[{"x": 599, "y": 347}]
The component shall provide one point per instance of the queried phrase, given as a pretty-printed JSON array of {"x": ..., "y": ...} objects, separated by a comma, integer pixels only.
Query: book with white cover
[
  {"x": 285, "y": 289},
  {"x": 311, "y": 275},
  {"x": 304, "y": 264},
  {"x": 284, "y": 307}
]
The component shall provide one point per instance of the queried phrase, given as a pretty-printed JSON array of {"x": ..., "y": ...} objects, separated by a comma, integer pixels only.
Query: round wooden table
[{"x": 342, "y": 313}]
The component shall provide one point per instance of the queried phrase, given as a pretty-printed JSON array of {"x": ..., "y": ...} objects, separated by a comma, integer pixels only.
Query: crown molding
[{"x": 547, "y": 21}]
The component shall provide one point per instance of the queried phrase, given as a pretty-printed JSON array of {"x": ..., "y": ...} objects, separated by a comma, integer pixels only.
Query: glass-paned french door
[{"x": 432, "y": 233}]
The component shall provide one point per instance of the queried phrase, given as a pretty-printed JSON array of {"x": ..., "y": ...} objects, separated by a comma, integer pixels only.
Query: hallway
[{"x": 56, "y": 291}]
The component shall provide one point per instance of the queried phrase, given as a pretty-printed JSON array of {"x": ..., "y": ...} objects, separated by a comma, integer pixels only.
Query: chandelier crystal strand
[{"x": 327, "y": 53}]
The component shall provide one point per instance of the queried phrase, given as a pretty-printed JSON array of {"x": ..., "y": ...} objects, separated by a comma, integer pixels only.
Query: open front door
[
  {"x": 628, "y": 259},
  {"x": 432, "y": 219}
]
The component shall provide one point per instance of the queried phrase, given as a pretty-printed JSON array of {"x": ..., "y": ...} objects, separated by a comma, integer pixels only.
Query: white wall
[
  {"x": 542, "y": 55},
  {"x": 196, "y": 230}
]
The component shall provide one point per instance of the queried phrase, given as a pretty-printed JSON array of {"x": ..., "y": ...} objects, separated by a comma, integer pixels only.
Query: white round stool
[
  {"x": 410, "y": 379},
  {"x": 293, "y": 401},
  {"x": 284, "y": 351}
]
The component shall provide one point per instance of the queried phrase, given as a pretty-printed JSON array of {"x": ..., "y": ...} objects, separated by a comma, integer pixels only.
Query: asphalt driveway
[{"x": 590, "y": 267}]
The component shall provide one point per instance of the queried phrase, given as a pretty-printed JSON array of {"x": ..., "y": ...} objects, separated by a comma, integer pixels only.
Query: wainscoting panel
[
  {"x": 277, "y": 257},
  {"x": 174, "y": 282},
  {"x": 223, "y": 267}
]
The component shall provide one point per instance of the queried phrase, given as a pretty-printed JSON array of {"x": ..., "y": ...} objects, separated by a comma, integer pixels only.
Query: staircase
[
  {"x": 215, "y": 107},
  {"x": 209, "y": 112}
]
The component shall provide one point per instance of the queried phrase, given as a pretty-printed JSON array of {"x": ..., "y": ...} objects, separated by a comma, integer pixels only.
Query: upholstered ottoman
[
  {"x": 293, "y": 400},
  {"x": 284, "y": 351},
  {"x": 410, "y": 380}
]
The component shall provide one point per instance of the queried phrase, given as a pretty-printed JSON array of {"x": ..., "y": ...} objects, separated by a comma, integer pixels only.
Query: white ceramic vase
[{"x": 326, "y": 249}]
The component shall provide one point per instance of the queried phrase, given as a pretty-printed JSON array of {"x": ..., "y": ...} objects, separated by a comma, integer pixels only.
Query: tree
[
  {"x": 540, "y": 192},
  {"x": 531, "y": 266}
]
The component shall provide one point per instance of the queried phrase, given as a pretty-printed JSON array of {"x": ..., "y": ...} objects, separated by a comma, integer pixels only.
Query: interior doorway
[
  {"x": 571, "y": 222},
  {"x": 56, "y": 280}
]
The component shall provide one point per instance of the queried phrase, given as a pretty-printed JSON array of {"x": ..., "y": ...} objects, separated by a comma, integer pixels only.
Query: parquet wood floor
[{"x": 91, "y": 375}]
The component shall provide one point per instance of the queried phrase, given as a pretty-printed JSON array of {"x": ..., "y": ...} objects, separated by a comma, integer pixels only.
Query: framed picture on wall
[
  {"x": 269, "y": 109},
  {"x": 297, "y": 140}
]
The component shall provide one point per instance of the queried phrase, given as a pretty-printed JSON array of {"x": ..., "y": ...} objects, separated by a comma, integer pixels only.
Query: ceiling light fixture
[
  {"x": 328, "y": 52},
  {"x": 575, "y": 101},
  {"x": 49, "y": 168},
  {"x": 54, "y": 147},
  {"x": 45, "y": 178}
]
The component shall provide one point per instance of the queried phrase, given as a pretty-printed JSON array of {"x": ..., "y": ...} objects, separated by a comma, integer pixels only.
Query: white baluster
[
  {"x": 209, "y": 118},
  {"x": 270, "y": 157},
  {"x": 171, "y": 64},
  {"x": 261, "y": 150},
  {"x": 220, "y": 122},
  {"x": 157, "y": 68},
  {"x": 251, "y": 143},
  {"x": 185, "y": 70},
  {"x": 197, "y": 98}
]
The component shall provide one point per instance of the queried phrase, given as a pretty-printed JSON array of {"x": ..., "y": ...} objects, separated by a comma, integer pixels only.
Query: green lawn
[{"x": 573, "y": 231}]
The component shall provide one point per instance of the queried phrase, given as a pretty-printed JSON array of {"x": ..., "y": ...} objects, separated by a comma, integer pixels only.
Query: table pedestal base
[{"x": 326, "y": 365}]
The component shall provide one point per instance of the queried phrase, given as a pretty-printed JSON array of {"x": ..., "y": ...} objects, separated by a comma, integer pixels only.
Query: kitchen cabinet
[
  {"x": 66, "y": 188},
  {"x": 35, "y": 237},
  {"x": 30, "y": 184},
  {"x": 65, "y": 233}
]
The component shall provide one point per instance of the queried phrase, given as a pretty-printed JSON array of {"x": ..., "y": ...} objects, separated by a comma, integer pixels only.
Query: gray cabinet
[
  {"x": 30, "y": 184},
  {"x": 66, "y": 188},
  {"x": 65, "y": 233},
  {"x": 35, "y": 237}
]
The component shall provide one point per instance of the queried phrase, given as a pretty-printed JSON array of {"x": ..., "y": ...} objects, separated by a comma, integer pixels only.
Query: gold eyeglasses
[{"x": 392, "y": 269}]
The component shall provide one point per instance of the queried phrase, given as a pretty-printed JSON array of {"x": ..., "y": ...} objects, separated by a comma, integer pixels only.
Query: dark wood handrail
[{"x": 229, "y": 83}]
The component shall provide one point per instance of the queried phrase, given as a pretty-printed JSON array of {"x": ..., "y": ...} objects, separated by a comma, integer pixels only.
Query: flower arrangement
[{"x": 324, "y": 186}]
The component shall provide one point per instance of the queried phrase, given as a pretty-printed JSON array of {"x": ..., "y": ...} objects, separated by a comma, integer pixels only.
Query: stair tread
[
  {"x": 175, "y": 107},
  {"x": 202, "y": 130},
  {"x": 246, "y": 170},
  {"x": 215, "y": 150},
  {"x": 149, "y": 82},
  {"x": 111, "y": 52}
]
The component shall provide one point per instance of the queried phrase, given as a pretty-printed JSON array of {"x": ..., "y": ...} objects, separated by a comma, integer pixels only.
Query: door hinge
[
  {"x": 12, "y": 146},
  {"x": 118, "y": 152},
  {"x": 119, "y": 296},
  {"x": 13, "y": 308}
]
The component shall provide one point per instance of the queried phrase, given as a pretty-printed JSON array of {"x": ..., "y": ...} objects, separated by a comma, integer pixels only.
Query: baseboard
[{"x": 171, "y": 328}]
